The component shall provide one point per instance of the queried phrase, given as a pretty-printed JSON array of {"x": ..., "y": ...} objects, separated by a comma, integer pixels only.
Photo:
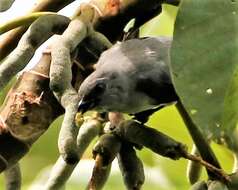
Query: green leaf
[
  {"x": 204, "y": 56},
  {"x": 161, "y": 25}
]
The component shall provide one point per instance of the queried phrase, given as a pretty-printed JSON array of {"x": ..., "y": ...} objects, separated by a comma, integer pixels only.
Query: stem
[
  {"x": 61, "y": 76},
  {"x": 160, "y": 143},
  {"x": 61, "y": 171},
  {"x": 60, "y": 84},
  {"x": 13, "y": 177},
  {"x": 22, "y": 21},
  {"x": 193, "y": 168},
  {"x": 203, "y": 147},
  {"x": 219, "y": 173}
]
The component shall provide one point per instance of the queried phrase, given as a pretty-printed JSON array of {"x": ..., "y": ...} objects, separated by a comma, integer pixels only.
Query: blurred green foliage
[{"x": 45, "y": 152}]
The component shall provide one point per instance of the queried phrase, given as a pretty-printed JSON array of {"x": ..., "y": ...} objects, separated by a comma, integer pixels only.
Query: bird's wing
[
  {"x": 160, "y": 91},
  {"x": 153, "y": 76},
  {"x": 143, "y": 116}
]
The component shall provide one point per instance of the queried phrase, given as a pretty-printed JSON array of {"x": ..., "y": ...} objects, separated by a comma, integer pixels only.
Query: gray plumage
[{"x": 131, "y": 77}]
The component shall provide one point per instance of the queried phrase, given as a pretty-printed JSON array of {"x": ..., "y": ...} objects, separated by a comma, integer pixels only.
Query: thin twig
[{"x": 217, "y": 171}]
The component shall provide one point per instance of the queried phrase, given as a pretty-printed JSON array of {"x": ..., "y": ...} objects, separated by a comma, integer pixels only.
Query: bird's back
[
  {"x": 150, "y": 67},
  {"x": 138, "y": 55}
]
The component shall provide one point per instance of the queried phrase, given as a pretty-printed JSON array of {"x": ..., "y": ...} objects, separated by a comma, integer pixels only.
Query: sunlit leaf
[{"x": 163, "y": 24}]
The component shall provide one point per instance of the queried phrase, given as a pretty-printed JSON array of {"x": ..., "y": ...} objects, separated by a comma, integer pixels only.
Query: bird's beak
[{"x": 84, "y": 106}]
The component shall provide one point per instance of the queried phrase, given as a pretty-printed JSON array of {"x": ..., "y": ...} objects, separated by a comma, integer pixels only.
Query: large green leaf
[{"x": 204, "y": 56}]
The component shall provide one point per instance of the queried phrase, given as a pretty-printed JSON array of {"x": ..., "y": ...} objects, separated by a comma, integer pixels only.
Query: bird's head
[
  {"x": 100, "y": 92},
  {"x": 90, "y": 92}
]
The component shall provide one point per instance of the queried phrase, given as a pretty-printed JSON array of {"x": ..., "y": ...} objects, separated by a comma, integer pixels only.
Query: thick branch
[
  {"x": 25, "y": 125},
  {"x": 61, "y": 77}
]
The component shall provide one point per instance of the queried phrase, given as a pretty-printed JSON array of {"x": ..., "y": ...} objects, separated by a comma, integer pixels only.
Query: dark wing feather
[
  {"x": 143, "y": 116},
  {"x": 161, "y": 91}
]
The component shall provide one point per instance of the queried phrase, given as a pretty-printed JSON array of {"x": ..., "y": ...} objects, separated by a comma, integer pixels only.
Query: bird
[{"x": 131, "y": 77}]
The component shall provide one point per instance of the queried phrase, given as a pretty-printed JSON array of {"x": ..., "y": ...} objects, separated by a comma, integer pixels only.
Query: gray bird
[{"x": 131, "y": 77}]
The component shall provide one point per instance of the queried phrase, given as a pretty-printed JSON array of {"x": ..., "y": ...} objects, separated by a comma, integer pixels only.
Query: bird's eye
[
  {"x": 99, "y": 88},
  {"x": 95, "y": 92}
]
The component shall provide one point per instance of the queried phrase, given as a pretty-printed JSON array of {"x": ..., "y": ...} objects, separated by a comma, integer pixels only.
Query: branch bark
[{"x": 37, "y": 116}]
